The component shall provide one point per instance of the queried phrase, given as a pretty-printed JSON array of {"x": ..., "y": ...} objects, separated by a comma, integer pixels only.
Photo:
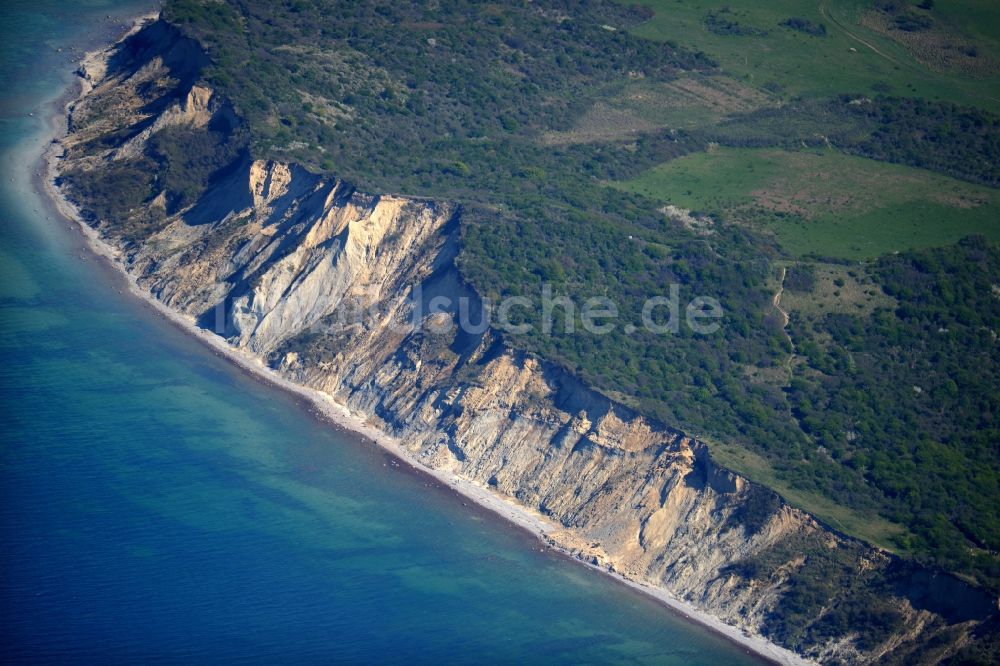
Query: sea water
[{"x": 160, "y": 504}]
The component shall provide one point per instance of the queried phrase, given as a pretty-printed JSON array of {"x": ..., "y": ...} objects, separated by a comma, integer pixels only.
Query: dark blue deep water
[{"x": 158, "y": 504}]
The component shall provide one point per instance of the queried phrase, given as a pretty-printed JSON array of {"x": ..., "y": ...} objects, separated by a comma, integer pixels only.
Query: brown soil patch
[
  {"x": 937, "y": 48},
  {"x": 600, "y": 123},
  {"x": 772, "y": 200},
  {"x": 784, "y": 196},
  {"x": 719, "y": 93},
  {"x": 961, "y": 199}
]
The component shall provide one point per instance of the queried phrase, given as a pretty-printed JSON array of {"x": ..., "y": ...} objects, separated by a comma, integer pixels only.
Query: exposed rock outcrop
[{"x": 340, "y": 291}]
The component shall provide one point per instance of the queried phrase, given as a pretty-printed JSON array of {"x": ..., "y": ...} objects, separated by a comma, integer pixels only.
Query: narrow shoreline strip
[{"x": 507, "y": 509}]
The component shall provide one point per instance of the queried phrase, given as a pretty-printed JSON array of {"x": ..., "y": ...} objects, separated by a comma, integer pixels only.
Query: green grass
[
  {"x": 977, "y": 19},
  {"x": 375, "y": 98},
  {"x": 690, "y": 102},
  {"x": 864, "y": 525},
  {"x": 837, "y": 288},
  {"x": 824, "y": 202},
  {"x": 801, "y": 64}
]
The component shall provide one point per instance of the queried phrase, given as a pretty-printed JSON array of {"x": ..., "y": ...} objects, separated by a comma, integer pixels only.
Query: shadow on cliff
[{"x": 940, "y": 593}]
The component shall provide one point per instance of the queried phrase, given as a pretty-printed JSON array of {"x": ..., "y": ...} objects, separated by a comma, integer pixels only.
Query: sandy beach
[{"x": 337, "y": 414}]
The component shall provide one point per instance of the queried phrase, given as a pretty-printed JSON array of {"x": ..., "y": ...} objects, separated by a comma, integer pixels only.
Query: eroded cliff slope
[{"x": 323, "y": 283}]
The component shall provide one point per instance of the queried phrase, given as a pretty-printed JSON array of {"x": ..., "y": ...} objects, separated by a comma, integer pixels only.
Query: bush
[
  {"x": 804, "y": 25},
  {"x": 911, "y": 22},
  {"x": 800, "y": 278}
]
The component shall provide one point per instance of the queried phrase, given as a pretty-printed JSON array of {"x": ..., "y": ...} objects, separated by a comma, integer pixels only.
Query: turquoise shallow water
[{"x": 159, "y": 504}]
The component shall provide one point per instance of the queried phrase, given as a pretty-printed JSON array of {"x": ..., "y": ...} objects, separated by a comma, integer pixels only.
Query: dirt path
[
  {"x": 825, "y": 14},
  {"x": 785, "y": 319},
  {"x": 776, "y": 301}
]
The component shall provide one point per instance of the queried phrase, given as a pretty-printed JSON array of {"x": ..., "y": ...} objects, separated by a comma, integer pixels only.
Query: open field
[
  {"x": 939, "y": 47},
  {"x": 748, "y": 41},
  {"x": 825, "y": 203},
  {"x": 837, "y": 288},
  {"x": 690, "y": 102}
]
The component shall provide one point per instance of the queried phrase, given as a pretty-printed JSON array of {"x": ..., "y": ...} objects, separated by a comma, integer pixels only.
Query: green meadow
[
  {"x": 749, "y": 42},
  {"x": 825, "y": 203}
]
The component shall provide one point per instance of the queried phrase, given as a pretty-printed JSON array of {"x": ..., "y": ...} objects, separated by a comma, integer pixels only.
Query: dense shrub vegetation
[
  {"x": 454, "y": 99},
  {"x": 958, "y": 141},
  {"x": 825, "y": 575},
  {"x": 721, "y": 23},
  {"x": 907, "y": 399},
  {"x": 415, "y": 95},
  {"x": 187, "y": 158},
  {"x": 805, "y": 25}
]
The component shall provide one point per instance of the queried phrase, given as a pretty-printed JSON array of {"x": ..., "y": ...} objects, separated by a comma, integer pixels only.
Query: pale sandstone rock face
[
  {"x": 194, "y": 112},
  {"x": 278, "y": 257}
]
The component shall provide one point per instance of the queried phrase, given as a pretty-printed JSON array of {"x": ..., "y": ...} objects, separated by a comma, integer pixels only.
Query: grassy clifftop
[{"x": 566, "y": 129}]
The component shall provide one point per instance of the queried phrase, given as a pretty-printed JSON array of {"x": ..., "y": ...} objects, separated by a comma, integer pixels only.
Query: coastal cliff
[{"x": 335, "y": 290}]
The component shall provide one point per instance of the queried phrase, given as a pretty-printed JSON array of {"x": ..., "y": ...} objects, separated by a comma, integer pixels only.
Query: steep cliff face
[{"x": 357, "y": 295}]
